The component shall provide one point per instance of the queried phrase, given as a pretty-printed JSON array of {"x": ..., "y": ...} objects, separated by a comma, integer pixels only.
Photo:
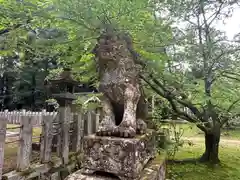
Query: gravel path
[{"x": 222, "y": 140}]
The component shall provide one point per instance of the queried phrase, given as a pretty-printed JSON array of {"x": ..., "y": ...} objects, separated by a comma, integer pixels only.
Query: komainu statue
[{"x": 124, "y": 107}]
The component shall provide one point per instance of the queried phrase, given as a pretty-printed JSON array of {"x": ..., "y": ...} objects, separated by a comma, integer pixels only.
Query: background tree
[
  {"x": 26, "y": 33},
  {"x": 202, "y": 85}
]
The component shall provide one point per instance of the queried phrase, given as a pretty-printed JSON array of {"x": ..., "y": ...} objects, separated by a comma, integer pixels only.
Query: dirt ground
[{"x": 223, "y": 141}]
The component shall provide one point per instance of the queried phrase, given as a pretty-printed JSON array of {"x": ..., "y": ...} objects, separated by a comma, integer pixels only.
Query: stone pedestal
[
  {"x": 111, "y": 158},
  {"x": 154, "y": 170},
  {"x": 122, "y": 157}
]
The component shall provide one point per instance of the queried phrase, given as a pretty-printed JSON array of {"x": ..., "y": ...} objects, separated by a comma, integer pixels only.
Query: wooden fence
[
  {"x": 14, "y": 117},
  {"x": 64, "y": 129}
]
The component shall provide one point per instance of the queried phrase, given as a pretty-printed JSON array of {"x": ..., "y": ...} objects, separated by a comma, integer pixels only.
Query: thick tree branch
[
  {"x": 228, "y": 52},
  {"x": 214, "y": 60},
  {"x": 14, "y": 27},
  {"x": 232, "y": 73},
  {"x": 172, "y": 102},
  {"x": 226, "y": 118},
  {"x": 7, "y": 30},
  {"x": 161, "y": 93},
  {"x": 184, "y": 103},
  {"x": 232, "y": 105},
  {"x": 230, "y": 77},
  {"x": 201, "y": 41},
  {"x": 224, "y": 74},
  {"x": 214, "y": 15}
]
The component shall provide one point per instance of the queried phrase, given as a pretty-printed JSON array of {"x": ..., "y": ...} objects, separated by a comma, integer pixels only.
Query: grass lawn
[
  {"x": 229, "y": 169},
  {"x": 229, "y": 153},
  {"x": 190, "y": 130}
]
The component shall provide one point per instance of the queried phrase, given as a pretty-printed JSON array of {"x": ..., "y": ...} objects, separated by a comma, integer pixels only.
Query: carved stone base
[
  {"x": 122, "y": 157},
  {"x": 154, "y": 170}
]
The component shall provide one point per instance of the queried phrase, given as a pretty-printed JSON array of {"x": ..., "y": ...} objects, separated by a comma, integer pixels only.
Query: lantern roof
[{"x": 65, "y": 77}]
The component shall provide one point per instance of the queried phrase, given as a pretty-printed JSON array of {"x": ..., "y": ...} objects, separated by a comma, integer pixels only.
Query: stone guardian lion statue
[{"x": 123, "y": 104}]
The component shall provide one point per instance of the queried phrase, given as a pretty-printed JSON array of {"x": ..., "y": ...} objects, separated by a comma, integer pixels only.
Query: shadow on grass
[{"x": 228, "y": 169}]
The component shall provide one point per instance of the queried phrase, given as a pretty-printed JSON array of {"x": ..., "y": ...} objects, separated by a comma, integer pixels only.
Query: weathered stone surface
[
  {"x": 79, "y": 176},
  {"x": 123, "y": 157},
  {"x": 124, "y": 107},
  {"x": 154, "y": 170}
]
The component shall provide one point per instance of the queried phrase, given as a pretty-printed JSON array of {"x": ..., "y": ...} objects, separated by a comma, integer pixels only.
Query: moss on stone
[
  {"x": 149, "y": 132},
  {"x": 27, "y": 172},
  {"x": 160, "y": 158},
  {"x": 151, "y": 171},
  {"x": 4, "y": 178}
]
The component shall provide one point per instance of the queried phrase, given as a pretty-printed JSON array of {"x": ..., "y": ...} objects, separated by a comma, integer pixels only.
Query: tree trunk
[{"x": 211, "y": 148}]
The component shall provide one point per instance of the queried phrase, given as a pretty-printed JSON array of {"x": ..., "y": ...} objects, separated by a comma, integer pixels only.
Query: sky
[{"x": 232, "y": 25}]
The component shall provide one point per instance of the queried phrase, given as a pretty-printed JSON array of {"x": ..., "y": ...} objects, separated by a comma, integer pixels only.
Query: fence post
[
  {"x": 14, "y": 117},
  {"x": 76, "y": 142},
  {"x": 58, "y": 135},
  {"x": 3, "y": 124},
  {"x": 97, "y": 119},
  {"x": 18, "y": 117},
  {"x": 25, "y": 142},
  {"x": 6, "y": 114},
  {"x": 89, "y": 122},
  {"x": 47, "y": 136},
  {"x": 65, "y": 118}
]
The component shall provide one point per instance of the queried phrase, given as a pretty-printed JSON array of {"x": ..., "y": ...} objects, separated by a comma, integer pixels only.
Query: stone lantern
[{"x": 62, "y": 89}]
